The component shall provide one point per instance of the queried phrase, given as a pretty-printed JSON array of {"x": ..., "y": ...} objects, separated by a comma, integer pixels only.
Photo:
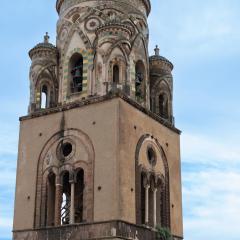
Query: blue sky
[{"x": 202, "y": 39}]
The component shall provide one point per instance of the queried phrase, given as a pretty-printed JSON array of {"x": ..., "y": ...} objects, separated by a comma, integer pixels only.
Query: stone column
[
  {"x": 154, "y": 207},
  {"x": 58, "y": 204},
  {"x": 72, "y": 208},
  {"x": 147, "y": 204}
]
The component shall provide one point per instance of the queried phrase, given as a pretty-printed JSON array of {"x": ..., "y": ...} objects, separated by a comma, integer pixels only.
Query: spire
[
  {"x": 46, "y": 38},
  {"x": 157, "y": 51}
]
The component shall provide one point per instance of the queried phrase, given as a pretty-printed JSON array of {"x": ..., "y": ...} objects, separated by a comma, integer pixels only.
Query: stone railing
[
  {"x": 90, "y": 231},
  {"x": 101, "y": 230}
]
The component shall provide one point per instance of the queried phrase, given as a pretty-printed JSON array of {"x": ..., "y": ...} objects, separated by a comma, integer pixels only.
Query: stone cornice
[
  {"x": 161, "y": 60},
  {"x": 147, "y": 4},
  {"x": 114, "y": 26},
  {"x": 46, "y": 49},
  {"x": 98, "y": 99}
]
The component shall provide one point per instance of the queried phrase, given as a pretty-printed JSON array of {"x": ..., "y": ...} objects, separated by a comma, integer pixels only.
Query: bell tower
[{"x": 99, "y": 153}]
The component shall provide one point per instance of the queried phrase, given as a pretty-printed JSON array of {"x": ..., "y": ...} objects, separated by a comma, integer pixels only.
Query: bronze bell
[
  {"x": 139, "y": 78},
  {"x": 77, "y": 72}
]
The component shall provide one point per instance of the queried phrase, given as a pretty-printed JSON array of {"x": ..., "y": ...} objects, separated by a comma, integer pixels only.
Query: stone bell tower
[{"x": 99, "y": 154}]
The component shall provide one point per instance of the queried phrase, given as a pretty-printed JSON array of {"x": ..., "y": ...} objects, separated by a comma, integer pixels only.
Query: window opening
[
  {"x": 67, "y": 149},
  {"x": 142, "y": 200},
  {"x": 66, "y": 200},
  {"x": 44, "y": 94},
  {"x": 163, "y": 106},
  {"x": 139, "y": 80},
  {"x": 77, "y": 73},
  {"x": 151, "y": 156},
  {"x": 51, "y": 189},
  {"x": 79, "y": 192},
  {"x": 115, "y": 74}
]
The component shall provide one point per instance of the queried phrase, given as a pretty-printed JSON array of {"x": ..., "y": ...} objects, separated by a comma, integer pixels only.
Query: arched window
[
  {"x": 51, "y": 189},
  {"x": 76, "y": 68},
  {"x": 44, "y": 97},
  {"x": 79, "y": 190},
  {"x": 163, "y": 105},
  {"x": 142, "y": 199},
  {"x": 116, "y": 74},
  {"x": 66, "y": 200},
  {"x": 140, "y": 80}
]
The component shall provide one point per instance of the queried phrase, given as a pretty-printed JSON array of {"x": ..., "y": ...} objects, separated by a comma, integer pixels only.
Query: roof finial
[
  {"x": 46, "y": 38},
  {"x": 157, "y": 51}
]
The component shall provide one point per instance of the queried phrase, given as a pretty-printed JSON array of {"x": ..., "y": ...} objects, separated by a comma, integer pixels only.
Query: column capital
[
  {"x": 146, "y": 185},
  {"x": 72, "y": 181}
]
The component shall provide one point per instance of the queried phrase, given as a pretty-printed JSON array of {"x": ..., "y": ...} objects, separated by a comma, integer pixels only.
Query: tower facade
[{"x": 99, "y": 155}]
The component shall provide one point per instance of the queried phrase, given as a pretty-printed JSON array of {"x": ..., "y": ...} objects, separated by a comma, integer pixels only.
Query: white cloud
[
  {"x": 7, "y": 178},
  {"x": 196, "y": 28},
  {"x": 211, "y": 193},
  {"x": 5, "y": 228},
  {"x": 212, "y": 204},
  {"x": 9, "y": 142},
  {"x": 6, "y": 222},
  {"x": 202, "y": 149}
]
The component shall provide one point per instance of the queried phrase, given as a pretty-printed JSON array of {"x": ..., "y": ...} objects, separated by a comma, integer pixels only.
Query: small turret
[
  {"x": 161, "y": 86},
  {"x": 43, "y": 76}
]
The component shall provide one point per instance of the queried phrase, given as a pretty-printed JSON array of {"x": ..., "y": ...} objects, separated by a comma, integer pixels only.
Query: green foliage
[{"x": 163, "y": 233}]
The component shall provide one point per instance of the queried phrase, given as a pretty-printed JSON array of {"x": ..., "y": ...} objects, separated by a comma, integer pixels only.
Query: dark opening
[
  {"x": 142, "y": 200},
  {"x": 151, "y": 156},
  {"x": 66, "y": 149},
  {"x": 115, "y": 74},
  {"x": 51, "y": 189},
  {"x": 139, "y": 80},
  {"x": 76, "y": 65},
  {"x": 79, "y": 189},
  {"x": 163, "y": 105}
]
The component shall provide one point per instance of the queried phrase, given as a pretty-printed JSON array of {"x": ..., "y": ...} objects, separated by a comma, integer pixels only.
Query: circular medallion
[{"x": 92, "y": 24}]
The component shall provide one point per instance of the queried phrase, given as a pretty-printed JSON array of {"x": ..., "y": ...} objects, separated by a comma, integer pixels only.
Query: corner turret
[
  {"x": 43, "y": 76},
  {"x": 161, "y": 86}
]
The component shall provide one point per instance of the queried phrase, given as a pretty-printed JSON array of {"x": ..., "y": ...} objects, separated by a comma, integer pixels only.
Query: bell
[
  {"x": 77, "y": 73},
  {"x": 139, "y": 78}
]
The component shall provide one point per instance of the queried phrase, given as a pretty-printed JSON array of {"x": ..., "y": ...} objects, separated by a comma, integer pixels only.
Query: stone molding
[
  {"x": 59, "y": 4},
  {"x": 116, "y": 229},
  {"x": 98, "y": 99}
]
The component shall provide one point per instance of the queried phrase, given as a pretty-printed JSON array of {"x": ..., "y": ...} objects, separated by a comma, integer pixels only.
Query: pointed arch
[
  {"x": 46, "y": 84},
  {"x": 161, "y": 98},
  {"x": 82, "y": 35},
  {"x": 118, "y": 44},
  {"x": 140, "y": 37}
]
